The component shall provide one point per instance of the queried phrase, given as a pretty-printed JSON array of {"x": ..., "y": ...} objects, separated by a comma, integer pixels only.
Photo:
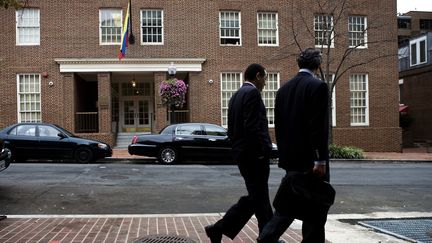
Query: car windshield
[{"x": 69, "y": 134}]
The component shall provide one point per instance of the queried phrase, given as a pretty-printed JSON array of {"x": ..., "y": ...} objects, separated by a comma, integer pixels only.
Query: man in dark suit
[
  {"x": 301, "y": 127},
  {"x": 251, "y": 146}
]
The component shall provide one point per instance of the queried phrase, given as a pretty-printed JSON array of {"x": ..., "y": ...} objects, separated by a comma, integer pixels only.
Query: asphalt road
[{"x": 127, "y": 188}]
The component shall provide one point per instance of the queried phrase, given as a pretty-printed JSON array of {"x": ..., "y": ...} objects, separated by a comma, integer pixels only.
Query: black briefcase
[{"x": 304, "y": 196}]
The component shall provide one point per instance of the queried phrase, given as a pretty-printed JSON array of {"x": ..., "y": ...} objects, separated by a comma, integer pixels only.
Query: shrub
[{"x": 344, "y": 152}]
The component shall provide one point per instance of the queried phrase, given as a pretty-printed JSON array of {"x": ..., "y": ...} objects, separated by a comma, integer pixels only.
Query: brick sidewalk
[
  {"x": 414, "y": 154},
  {"x": 122, "y": 228}
]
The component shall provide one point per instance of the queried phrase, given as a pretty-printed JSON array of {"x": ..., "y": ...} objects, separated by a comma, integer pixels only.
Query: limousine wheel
[{"x": 168, "y": 155}]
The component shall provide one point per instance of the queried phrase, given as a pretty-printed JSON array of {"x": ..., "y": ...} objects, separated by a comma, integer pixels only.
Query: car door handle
[
  {"x": 178, "y": 138},
  {"x": 212, "y": 139}
]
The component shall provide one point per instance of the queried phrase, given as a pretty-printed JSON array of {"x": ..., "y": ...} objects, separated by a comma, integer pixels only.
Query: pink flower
[{"x": 173, "y": 92}]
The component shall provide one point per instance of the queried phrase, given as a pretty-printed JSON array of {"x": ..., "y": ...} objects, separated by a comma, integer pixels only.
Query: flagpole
[{"x": 131, "y": 36}]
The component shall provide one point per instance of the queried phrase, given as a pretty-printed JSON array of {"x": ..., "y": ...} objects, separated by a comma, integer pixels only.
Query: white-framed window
[
  {"x": 230, "y": 83},
  {"x": 357, "y": 30},
  {"x": 359, "y": 104},
  {"x": 29, "y": 97},
  {"x": 152, "y": 28},
  {"x": 267, "y": 25},
  {"x": 110, "y": 26},
  {"x": 230, "y": 28},
  {"x": 333, "y": 97},
  {"x": 28, "y": 26},
  {"x": 418, "y": 51},
  {"x": 269, "y": 95},
  {"x": 323, "y": 28}
]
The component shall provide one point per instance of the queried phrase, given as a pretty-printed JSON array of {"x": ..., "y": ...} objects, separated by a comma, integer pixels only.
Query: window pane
[
  {"x": 189, "y": 130},
  {"x": 267, "y": 29},
  {"x": 414, "y": 54},
  {"x": 151, "y": 26},
  {"x": 358, "y": 101},
  {"x": 214, "y": 130},
  {"x": 323, "y": 25},
  {"x": 230, "y": 83},
  {"x": 28, "y": 26},
  {"x": 269, "y": 94},
  {"x": 422, "y": 51},
  {"x": 110, "y": 25},
  {"x": 29, "y": 98},
  {"x": 230, "y": 28}
]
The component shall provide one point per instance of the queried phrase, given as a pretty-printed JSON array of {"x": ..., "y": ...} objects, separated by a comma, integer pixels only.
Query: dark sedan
[
  {"x": 195, "y": 141},
  {"x": 48, "y": 141}
]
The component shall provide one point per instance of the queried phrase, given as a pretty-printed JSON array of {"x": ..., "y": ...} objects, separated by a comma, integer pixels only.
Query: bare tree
[
  {"x": 11, "y": 3},
  {"x": 327, "y": 24}
]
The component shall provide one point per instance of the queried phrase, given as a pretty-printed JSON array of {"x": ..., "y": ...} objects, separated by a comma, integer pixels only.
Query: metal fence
[
  {"x": 179, "y": 116},
  {"x": 86, "y": 122}
]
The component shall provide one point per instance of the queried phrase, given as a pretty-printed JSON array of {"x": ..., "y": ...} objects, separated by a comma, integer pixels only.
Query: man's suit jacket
[
  {"x": 248, "y": 125},
  {"x": 301, "y": 122}
]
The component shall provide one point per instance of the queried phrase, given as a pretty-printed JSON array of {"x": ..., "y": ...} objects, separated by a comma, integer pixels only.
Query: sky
[{"x": 404, "y": 6}]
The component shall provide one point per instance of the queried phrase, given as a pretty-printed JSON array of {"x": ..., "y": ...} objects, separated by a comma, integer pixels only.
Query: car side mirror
[{"x": 61, "y": 135}]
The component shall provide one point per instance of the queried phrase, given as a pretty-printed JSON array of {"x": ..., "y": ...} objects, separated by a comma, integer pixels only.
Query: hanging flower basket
[{"x": 173, "y": 92}]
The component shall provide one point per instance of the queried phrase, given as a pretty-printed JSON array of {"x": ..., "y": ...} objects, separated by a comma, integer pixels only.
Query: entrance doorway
[
  {"x": 135, "y": 105},
  {"x": 136, "y": 114}
]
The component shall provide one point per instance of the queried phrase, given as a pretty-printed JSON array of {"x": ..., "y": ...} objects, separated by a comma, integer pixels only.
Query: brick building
[
  {"x": 413, "y": 23},
  {"x": 415, "y": 76},
  {"x": 415, "y": 80},
  {"x": 59, "y": 63}
]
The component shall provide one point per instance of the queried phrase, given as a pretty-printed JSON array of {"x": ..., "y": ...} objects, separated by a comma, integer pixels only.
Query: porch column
[
  {"x": 160, "y": 118},
  {"x": 69, "y": 101},
  {"x": 104, "y": 102}
]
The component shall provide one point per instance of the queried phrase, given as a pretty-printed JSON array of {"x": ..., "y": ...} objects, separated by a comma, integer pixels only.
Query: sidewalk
[
  {"x": 171, "y": 228},
  {"x": 408, "y": 154}
]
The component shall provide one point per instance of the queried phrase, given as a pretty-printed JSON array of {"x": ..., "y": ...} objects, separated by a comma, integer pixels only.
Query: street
[{"x": 128, "y": 188}]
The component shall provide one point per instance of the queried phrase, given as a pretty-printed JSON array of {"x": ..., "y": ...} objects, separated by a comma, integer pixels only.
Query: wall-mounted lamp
[
  {"x": 50, "y": 83},
  {"x": 133, "y": 82},
  {"x": 172, "y": 69},
  {"x": 210, "y": 81}
]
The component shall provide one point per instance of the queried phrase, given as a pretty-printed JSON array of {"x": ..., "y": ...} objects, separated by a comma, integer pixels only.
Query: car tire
[
  {"x": 83, "y": 155},
  {"x": 168, "y": 155},
  {"x": 11, "y": 157}
]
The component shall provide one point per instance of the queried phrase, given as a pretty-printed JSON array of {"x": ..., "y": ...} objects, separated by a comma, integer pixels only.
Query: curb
[{"x": 148, "y": 159}]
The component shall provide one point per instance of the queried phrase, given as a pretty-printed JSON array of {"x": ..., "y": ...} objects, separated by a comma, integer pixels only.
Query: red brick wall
[{"x": 70, "y": 29}]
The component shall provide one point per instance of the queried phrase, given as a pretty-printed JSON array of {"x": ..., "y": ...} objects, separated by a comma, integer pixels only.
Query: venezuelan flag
[{"x": 125, "y": 34}]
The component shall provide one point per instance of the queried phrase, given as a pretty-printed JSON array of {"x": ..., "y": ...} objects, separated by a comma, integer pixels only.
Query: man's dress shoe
[{"x": 213, "y": 233}]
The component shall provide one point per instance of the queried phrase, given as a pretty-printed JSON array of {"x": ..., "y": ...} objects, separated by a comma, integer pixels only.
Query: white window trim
[
  {"x": 332, "y": 40},
  {"x": 417, "y": 42},
  {"x": 100, "y": 27},
  {"x": 366, "y": 123},
  {"x": 334, "y": 107},
  {"x": 365, "y": 34},
  {"x": 277, "y": 88},
  {"x": 221, "y": 103},
  {"x": 333, "y": 97},
  {"x": 220, "y": 28},
  {"x": 19, "y": 97},
  {"x": 277, "y": 29},
  {"x": 162, "y": 26},
  {"x": 17, "y": 32}
]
